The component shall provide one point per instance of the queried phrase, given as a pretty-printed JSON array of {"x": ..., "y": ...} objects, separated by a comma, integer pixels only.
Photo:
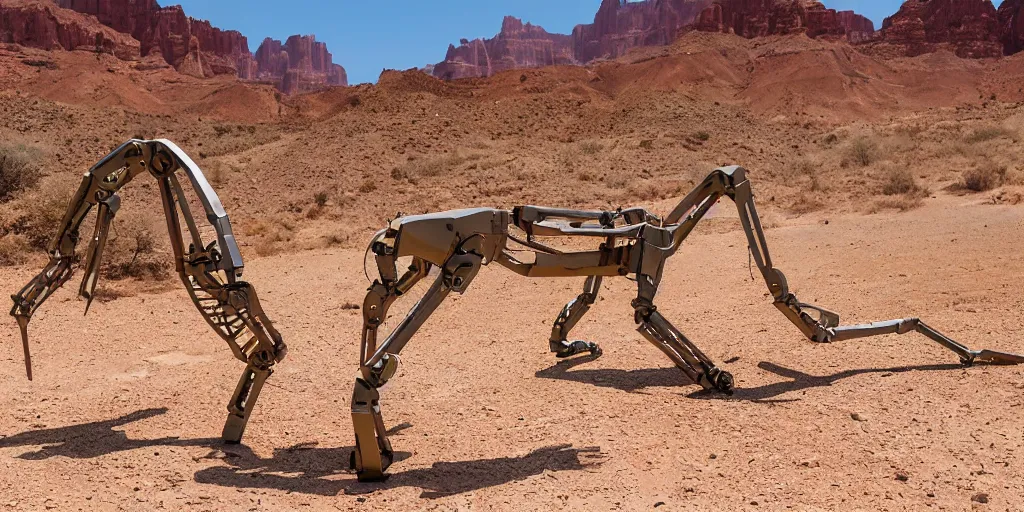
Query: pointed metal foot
[
  {"x": 23, "y": 325},
  {"x": 993, "y": 357}
]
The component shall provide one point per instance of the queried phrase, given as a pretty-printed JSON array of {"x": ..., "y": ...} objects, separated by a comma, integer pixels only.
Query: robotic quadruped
[
  {"x": 210, "y": 272},
  {"x": 453, "y": 246},
  {"x": 633, "y": 243}
]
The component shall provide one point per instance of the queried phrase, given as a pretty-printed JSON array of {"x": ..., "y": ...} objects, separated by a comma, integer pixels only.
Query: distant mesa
[
  {"x": 620, "y": 26},
  {"x": 968, "y": 28},
  {"x": 130, "y": 29},
  {"x": 517, "y": 45},
  {"x": 300, "y": 64},
  {"x": 752, "y": 19}
]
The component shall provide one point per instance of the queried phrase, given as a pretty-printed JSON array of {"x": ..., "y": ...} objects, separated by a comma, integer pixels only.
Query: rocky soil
[{"x": 891, "y": 187}]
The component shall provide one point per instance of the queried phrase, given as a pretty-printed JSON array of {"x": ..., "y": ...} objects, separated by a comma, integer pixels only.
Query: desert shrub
[
  {"x": 985, "y": 176},
  {"x": 269, "y": 236},
  {"x": 702, "y": 136},
  {"x": 988, "y": 133},
  {"x": 222, "y": 129},
  {"x": 39, "y": 214},
  {"x": 862, "y": 151},
  {"x": 217, "y": 172},
  {"x": 367, "y": 186},
  {"x": 591, "y": 148},
  {"x": 899, "y": 180},
  {"x": 616, "y": 182},
  {"x": 805, "y": 166},
  {"x": 14, "y": 250},
  {"x": 320, "y": 198},
  {"x": 132, "y": 250},
  {"x": 645, "y": 191},
  {"x": 805, "y": 203},
  {"x": 146, "y": 129},
  {"x": 19, "y": 170}
]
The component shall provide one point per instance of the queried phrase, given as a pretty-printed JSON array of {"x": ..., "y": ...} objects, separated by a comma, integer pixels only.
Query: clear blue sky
[{"x": 368, "y": 36}]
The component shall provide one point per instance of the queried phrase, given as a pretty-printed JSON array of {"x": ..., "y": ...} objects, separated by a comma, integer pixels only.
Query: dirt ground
[
  {"x": 128, "y": 402},
  {"x": 889, "y": 187}
]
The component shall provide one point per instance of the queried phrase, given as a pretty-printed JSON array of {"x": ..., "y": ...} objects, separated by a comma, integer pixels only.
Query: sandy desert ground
[
  {"x": 891, "y": 189},
  {"x": 128, "y": 401}
]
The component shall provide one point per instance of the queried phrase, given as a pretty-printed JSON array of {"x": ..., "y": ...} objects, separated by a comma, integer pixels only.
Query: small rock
[
  {"x": 810, "y": 464},
  {"x": 753, "y": 502},
  {"x": 713, "y": 456},
  {"x": 981, "y": 497},
  {"x": 858, "y": 416},
  {"x": 659, "y": 504},
  {"x": 902, "y": 476}
]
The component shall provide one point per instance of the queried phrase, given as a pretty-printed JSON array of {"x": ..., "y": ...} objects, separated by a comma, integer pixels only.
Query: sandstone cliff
[
  {"x": 517, "y": 45},
  {"x": 1011, "y": 25},
  {"x": 969, "y": 27},
  {"x": 300, "y": 64},
  {"x": 759, "y": 18},
  {"x": 41, "y": 24},
  {"x": 197, "y": 48},
  {"x": 620, "y": 25},
  {"x": 192, "y": 46}
]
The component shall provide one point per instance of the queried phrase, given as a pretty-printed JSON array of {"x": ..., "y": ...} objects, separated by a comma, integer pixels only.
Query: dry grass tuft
[
  {"x": 431, "y": 167},
  {"x": 902, "y": 203},
  {"x": 270, "y": 236},
  {"x": 988, "y": 133}
]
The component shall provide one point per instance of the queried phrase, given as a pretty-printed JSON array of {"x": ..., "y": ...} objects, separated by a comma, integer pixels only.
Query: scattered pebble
[{"x": 981, "y": 497}]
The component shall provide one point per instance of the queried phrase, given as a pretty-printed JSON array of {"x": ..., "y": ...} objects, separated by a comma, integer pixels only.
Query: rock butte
[
  {"x": 130, "y": 29},
  {"x": 969, "y": 27}
]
